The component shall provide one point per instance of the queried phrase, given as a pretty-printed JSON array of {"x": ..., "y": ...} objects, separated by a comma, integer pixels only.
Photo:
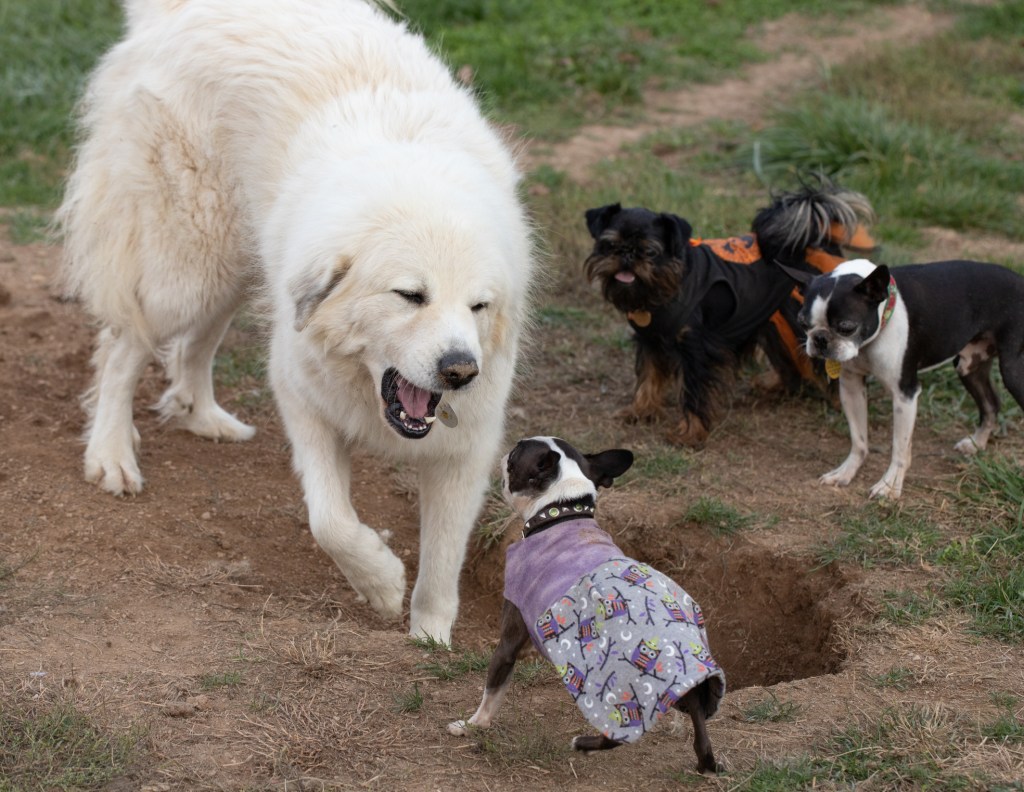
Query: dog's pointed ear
[
  {"x": 876, "y": 285},
  {"x": 598, "y": 219},
  {"x": 606, "y": 466},
  {"x": 802, "y": 277},
  {"x": 312, "y": 287},
  {"x": 675, "y": 234}
]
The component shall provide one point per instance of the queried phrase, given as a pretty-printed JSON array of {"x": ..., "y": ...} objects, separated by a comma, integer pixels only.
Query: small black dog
[
  {"x": 627, "y": 641},
  {"x": 865, "y": 319},
  {"x": 697, "y": 306}
]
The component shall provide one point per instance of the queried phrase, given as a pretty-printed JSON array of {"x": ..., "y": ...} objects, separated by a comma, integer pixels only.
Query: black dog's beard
[{"x": 655, "y": 285}]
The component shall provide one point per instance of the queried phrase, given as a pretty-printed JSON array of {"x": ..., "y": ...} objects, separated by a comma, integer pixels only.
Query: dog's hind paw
[
  {"x": 968, "y": 447},
  {"x": 218, "y": 424},
  {"x": 458, "y": 728}
]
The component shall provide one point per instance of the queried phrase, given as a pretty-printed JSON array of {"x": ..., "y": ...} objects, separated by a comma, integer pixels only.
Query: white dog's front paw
[
  {"x": 381, "y": 581},
  {"x": 883, "y": 489},
  {"x": 458, "y": 728},
  {"x": 436, "y": 628},
  {"x": 117, "y": 474},
  {"x": 840, "y": 477}
]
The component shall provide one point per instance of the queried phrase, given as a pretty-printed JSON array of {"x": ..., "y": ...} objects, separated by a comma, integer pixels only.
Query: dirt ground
[{"x": 202, "y": 616}]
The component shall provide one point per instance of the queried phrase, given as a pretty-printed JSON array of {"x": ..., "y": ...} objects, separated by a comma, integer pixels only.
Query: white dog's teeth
[
  {"x": 402, "y": 415},
  {"x": 429, "y": 419}
]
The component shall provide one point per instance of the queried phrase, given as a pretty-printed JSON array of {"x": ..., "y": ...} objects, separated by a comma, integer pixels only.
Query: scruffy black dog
[{"x": 698, "y": 306}]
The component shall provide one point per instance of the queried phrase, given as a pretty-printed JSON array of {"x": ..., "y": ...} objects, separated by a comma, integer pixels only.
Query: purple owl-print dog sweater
[{"x": 627, "y": 641}]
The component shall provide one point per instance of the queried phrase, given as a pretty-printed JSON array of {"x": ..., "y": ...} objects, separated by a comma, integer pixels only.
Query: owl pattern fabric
[{"x": 627, "y": 641}]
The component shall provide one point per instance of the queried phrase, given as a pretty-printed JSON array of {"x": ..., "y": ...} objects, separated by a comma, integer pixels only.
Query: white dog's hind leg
[
  {"x": 450, "y": 499},
  {"x": 324, "y": 465},
  {"x": 113, "y": 440},
  {"x": 190, "y": 397},
  {"x": 853, "y": 394},
  {"x": 904, "y": 415}
]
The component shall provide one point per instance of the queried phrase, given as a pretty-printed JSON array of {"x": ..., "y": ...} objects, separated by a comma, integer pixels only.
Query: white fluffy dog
[{"x": 318, "y": 150}]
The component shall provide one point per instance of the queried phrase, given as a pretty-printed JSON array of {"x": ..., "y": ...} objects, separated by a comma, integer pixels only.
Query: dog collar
[
  {"x": 890, "y": 303},
  {"x": 833, "y": 368},
  {"x": 557, "y": 512}
]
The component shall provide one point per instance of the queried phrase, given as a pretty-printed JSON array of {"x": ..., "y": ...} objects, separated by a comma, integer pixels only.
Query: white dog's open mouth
[{"x": 409, "y": 410}]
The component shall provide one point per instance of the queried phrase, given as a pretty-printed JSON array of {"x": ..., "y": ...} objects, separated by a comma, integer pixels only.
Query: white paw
[
  {"x": 840, "y": 477},
  {"x": 458, "y": 728},
  {"x": 883, "y": 489},
  {"x": 968, "y": 447},
  {"x": 217, "y": 424},
  {"x": 437, "y": 629},
  {"x": 381, "y": 580},
  {"x": 117, "y": 474}
]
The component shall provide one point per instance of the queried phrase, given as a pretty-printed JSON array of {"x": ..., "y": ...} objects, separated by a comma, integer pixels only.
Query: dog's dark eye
[
  {"x": 480, "y": 306},
  {"x": 802, "y": 322},
  {"x": 846, "y": 328},
  {"x": 416, "y": 298}
]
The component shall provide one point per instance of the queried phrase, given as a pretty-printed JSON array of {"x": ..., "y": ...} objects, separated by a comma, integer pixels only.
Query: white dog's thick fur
[{"x": 318, "y": 150}]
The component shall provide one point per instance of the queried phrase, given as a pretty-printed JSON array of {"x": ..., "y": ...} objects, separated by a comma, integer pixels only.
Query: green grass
[
  {"x": 874, "y": 538},
  {"x": 718, "y": 517},
  {"x": 409, "y": 701},
  {"x": 445, "y": 663},
  {"x": 549, "y": 64},
  {"x": 904, "y": 608},
  {"x": 903, "y": 748},
  {"x": 896, "y": 678},
  {"x": 771, "y": 710},
  {"x": 57, "y": 746},
  {"x": 48, "y": 47}
]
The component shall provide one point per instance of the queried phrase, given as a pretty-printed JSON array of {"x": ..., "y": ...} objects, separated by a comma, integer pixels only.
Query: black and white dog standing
[
  {"x": 867, "y": 319},
  {"x": 627, "y": 641}
]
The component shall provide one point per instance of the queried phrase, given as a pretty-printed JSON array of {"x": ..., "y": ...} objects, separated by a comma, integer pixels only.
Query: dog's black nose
[
  {"x": 457, "y": 369},
  {"x": 820, "y": 341}
]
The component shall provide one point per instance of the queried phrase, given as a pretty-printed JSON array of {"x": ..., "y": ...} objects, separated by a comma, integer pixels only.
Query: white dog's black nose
[
  {"x": 457, "y": 369},
  {"x": 820, "y": 341}
]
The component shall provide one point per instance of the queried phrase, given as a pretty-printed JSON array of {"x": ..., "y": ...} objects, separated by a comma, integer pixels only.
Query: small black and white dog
[
  {"x": 697, "y": 306},
  {"x": 866, "y": 319},
  {"x": 628, "y": 642}
]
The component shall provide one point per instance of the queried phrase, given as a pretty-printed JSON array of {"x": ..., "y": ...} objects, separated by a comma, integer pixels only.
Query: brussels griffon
[{"x": 697, "y": 306}]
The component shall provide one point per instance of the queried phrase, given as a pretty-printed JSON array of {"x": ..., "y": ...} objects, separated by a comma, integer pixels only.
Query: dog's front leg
[
  {"x": 324, "y": 464},
  {"x": 904, "y": 415},
  {"x": 451, "y": 494},
  {"x": 853, "y": 394},
  {"x": 514, "y": 636}
]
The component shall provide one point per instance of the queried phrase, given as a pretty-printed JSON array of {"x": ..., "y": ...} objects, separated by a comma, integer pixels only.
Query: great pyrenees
[{"x": 317, "y": 150}]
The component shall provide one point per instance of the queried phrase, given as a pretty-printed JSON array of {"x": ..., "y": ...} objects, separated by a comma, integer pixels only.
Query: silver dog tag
[{"x": 447, "y": 415}]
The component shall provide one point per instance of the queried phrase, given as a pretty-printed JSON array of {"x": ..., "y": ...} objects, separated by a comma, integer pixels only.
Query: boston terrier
[
  {"x": 628, "y": 642},
  {"x": 866, "y": 319}
]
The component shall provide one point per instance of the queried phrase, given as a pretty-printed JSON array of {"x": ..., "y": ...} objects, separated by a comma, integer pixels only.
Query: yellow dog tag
[
  {"x": 833, "y": 368},
  {"x": 639, "y": 318}
]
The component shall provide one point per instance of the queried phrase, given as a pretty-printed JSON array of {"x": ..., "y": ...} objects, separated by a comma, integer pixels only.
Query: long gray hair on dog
[{"x": 818, "y": 213}]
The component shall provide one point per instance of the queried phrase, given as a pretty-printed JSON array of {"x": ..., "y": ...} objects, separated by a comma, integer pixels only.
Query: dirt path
[
  {"x": 799, "y": 50},
  {"x": 201, "y": 617}
]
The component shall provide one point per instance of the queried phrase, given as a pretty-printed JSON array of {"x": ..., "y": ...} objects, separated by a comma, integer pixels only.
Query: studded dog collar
[{"x": 557, "y": 512}]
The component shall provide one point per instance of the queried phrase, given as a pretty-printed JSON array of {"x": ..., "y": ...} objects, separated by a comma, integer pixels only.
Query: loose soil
[{"x": 202, "y": 615}]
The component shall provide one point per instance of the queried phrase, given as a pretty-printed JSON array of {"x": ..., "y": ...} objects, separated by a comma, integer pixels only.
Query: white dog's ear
[{"x": 312, "y": 287}]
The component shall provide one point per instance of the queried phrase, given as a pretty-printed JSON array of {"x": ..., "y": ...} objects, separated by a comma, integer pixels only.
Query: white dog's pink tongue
[
  {"x": 414, "y": 400},
  {"x": 625, "y": 276}
]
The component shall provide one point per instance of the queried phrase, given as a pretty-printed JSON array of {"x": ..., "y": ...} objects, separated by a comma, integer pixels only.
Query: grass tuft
[
  {"x": 57, "y": 746},
  {"x": 718, "y": 517},
  {"x": 875, "y": 538},
  {"x": 771, "y": 710}
]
